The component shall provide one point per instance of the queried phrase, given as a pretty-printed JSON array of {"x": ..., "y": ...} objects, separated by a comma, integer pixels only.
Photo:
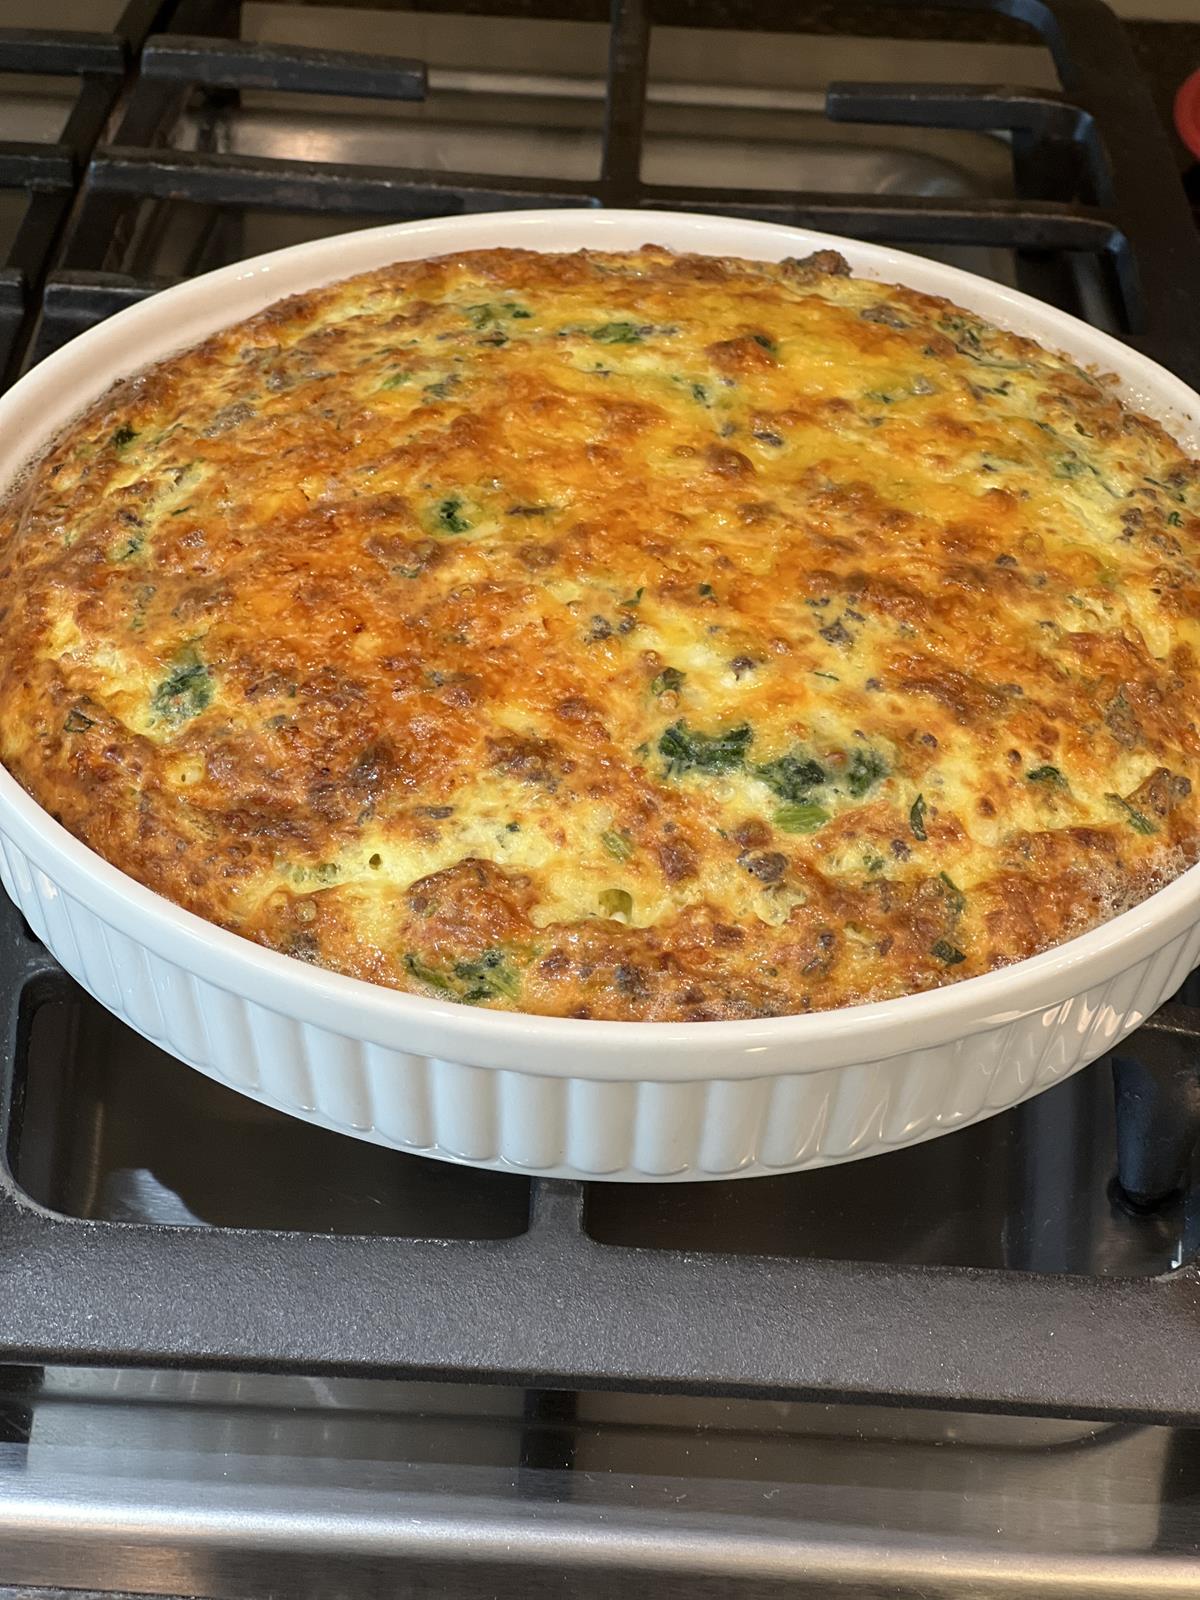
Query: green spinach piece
[
  {"x": 442, "y": 388},
  {"x": 1172, "y": 489},
  {"x": 792, "y": 778},
  {"x": 965, "y": 333},
  {"x": 449, "y": 516},
  {"x": 1050, "y": 775},
  {"x": 947, "y": 952},
  {"x": 866, "y": 768},
  {"x": 916, "y": 818},
  {"x": 1073, "y": 467},
  {"x": 1137, "y": 820},
  {"x": 489, "y": 978},
  {"x": 957, "y": 899},
  {"x": 418, "y": 969},
  {"x": 688, "y": 750},
  {"x": 617, "y": 333},
  {"x": 490, "y": 313},
  {"x": 669, "y": 681},
  {"x": 184, "y": 693}
]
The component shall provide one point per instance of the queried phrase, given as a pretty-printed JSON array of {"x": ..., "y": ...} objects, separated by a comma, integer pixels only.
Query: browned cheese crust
[{"x": 615, "y": 636}]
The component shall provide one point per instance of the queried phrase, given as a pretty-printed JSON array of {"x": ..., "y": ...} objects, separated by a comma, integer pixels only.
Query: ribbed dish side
[{"x": 575, "y": 1127}]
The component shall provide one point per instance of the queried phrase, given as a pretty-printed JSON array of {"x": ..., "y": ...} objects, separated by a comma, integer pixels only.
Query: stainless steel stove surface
[
  {"x": 202, "y": 1485},
  {"x": 246, "y": 1357}
]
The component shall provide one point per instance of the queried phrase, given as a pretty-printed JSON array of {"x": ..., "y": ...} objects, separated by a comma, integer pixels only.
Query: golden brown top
[{"x": 629, "y": 636}]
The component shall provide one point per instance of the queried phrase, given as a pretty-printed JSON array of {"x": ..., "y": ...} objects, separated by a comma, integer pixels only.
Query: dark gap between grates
[
  {"x": 1030, "y": 1190},
  {"x": 111, "y": 1128},
  {"x": 108, "y": 1127}
]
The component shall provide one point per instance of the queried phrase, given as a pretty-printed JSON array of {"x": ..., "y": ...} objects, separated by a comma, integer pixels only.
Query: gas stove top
[{"x": 244, "y": 1355}]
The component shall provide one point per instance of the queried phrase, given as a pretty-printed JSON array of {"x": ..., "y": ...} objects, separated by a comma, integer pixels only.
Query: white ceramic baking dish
[{"x": 558, "y": 1096}]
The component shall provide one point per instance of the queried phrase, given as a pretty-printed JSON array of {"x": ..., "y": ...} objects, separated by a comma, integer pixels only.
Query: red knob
[{"x": 1187, "y": 113}]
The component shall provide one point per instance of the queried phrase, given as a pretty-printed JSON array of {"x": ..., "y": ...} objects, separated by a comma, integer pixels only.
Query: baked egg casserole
[{"x": 631, "y": 636}]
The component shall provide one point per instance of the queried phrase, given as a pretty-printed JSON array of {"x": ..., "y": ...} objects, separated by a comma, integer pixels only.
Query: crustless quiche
[{"x": 616, "y": 636}]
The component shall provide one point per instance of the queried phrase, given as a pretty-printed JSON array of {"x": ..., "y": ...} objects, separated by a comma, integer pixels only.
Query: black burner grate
[
  {"x": 548, "y": 1304},
  {"x": 47, "y": 173},
  {"x": 559, "y": 1304},
  {"x": 1092, "y": 163}
]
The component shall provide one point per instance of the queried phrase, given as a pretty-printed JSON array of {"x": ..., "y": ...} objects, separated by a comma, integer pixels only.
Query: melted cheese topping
[{"x": 621, "y": 636}]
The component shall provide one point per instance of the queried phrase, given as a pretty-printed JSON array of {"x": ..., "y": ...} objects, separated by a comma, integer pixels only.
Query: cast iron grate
[
  {"x": 1092, "y": 165},
  {"x": 47, "y": 173},
  {"x": 549, "y": 1306}
]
